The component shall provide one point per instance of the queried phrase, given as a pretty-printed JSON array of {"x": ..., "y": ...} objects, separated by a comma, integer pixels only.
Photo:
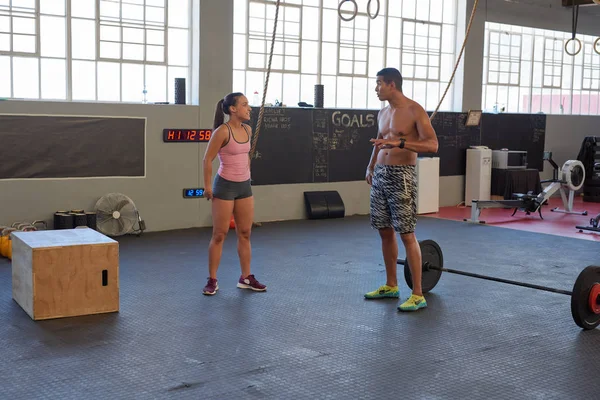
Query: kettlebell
[{"x": 6, "y": 242}]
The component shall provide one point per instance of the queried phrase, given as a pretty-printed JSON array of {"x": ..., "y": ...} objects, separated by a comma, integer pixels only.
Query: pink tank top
[{"x": 233, "y": 158}]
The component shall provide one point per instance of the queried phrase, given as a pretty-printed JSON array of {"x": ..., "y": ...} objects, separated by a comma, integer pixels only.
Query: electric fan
[{"x": 116, "y": 215}]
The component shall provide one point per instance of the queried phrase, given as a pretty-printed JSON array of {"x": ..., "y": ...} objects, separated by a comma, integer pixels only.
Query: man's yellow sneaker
[
  {"x": 413, "y": 303},
  {"x": 383, "y": 291}
]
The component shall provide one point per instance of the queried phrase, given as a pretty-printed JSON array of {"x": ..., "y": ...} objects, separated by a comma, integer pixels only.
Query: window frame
[{"x": 69, "y": 74}]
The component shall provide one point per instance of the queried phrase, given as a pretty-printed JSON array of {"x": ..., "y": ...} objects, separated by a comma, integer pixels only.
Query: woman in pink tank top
[{"x": 231, "y": 190}]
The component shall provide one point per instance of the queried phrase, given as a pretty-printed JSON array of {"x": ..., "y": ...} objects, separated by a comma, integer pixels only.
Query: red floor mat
[{"x": 553, "y": 223}]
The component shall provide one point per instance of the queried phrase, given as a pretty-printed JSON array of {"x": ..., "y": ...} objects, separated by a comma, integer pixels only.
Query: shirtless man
[{"x": 404, "y": 131}]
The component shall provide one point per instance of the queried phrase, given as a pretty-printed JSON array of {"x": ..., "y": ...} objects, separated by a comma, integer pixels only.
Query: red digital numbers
[{"x": 186, "y": 135}]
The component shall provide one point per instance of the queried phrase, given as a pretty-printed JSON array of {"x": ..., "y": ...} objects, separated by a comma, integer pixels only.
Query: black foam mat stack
[{"x": 324, "y": 204}]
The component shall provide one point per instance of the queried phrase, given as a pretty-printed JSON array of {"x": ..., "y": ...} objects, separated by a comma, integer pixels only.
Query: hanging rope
[
  {"x": 457, "y": 61},
  {"x": 574, "y": 33},
  {"x": 262, "y": 106}
]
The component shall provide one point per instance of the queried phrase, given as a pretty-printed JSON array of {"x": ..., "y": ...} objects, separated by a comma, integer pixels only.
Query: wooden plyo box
[{"x": 65, "y": 273}]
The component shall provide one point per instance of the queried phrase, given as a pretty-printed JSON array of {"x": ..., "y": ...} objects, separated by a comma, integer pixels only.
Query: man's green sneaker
[
  {"x": 383, "y": 292},
  {"x": 413, "y": 303}
]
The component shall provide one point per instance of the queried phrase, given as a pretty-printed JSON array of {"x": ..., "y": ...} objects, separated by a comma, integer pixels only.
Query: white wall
[
  {"x": 171, "y": 167},
  {"x": 564, "y": 135}
]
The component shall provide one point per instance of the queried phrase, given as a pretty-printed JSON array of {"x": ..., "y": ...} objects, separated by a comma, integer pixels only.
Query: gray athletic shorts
[
  {"x": 229, "y": 190},
  {"x": 394, "y": 198}
]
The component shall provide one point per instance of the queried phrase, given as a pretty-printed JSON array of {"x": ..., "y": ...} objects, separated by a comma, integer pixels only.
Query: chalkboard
[
  {"x": 454, "y": 138},
  {"x": 297, "y": 145},
  {"x": 284, "y": 149}
]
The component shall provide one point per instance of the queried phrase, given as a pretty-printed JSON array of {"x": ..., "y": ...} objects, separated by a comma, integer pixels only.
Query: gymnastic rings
[
  {"x": 373, "y": 16},
  {"x": 355, "y": 12},
  {"x": 578, "y": 49},
  {"x": 597, "y": 45}
]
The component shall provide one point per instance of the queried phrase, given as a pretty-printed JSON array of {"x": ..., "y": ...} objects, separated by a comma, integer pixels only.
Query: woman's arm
[{"x": 217, "y": 139}]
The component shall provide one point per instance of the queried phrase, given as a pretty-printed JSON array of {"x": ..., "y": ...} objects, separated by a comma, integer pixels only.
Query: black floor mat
[{"x": 312, "y": 334}]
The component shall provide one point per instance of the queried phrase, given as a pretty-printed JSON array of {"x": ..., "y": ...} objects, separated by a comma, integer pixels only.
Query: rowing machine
[{"x": 572, "y": 176}]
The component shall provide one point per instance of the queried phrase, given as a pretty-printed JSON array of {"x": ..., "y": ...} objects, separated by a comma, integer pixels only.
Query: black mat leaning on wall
[{"x": 35, "y": 146}]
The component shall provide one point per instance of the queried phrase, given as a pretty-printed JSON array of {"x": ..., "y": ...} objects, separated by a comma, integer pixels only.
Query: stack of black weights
[
  {"x": 589, "y": 155},
  {"x": 74, "y": 218}
]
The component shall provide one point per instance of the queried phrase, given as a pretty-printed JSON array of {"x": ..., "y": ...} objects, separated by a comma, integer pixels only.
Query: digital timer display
[
  {"x": 186, "y": 135},
  {"x": 193, "y": 193}
]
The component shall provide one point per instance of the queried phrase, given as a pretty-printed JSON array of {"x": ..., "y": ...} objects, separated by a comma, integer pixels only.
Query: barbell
[{"x": 585, "y": 296}]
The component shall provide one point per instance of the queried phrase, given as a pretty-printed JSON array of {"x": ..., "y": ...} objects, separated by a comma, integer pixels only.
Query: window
[
  {"x": 286, "y": 51},
  {"x": 553, "y": 63},
  {"x": 591, "y": 66},
  {"x": 314, "y": 45},
  {"x": 505, "y": 58},
  {"x": 18, "y": 26},
  {"x": 94, "y": 50},
  {"x": 527, "y": 70}
]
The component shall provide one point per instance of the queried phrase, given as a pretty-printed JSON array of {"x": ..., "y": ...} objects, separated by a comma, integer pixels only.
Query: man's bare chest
[{"x": 396, "y": 127}]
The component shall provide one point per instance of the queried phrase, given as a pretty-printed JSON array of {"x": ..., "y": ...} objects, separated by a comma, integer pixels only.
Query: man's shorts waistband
[{"x": 395, "y": 167}]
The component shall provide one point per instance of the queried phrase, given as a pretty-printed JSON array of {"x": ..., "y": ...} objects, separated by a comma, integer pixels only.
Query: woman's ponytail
[
  {"x": 223, "y": 108},
  {"x": 219, "y": 115}
]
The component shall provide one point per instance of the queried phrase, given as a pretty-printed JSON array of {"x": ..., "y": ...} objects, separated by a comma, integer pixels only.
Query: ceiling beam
[{"x": 570, "y": 3}]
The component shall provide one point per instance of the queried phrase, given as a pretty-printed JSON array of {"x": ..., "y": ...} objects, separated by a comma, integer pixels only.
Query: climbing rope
[
  {"x": 457, "y": 61},
  {"x": 262, "y": 106}
]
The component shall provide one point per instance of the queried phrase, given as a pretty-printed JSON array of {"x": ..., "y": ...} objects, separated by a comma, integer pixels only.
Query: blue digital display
[{"x": 193, "y": 193}]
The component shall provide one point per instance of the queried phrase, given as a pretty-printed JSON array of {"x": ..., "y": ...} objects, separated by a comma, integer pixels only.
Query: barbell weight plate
[
  {"x": 431, "y": 254},
  {"x": 594, "y": 298},
  {"x": 583, "y": 315}
]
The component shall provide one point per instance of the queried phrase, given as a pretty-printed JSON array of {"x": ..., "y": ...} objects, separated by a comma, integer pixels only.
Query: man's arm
[
  {"x": 427, "y": 141},
  {"x": 374, "y": 153}
]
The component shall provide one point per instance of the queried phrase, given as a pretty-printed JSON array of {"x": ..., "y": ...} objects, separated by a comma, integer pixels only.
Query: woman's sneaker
[
  {"x": 211, "y": 287},
  {"x": 250, "y": 282}
]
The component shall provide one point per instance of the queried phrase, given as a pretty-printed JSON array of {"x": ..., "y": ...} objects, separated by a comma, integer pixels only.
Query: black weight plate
[
  {"x": 583, "y": 316},
  {"x": 431, "y": 253}
]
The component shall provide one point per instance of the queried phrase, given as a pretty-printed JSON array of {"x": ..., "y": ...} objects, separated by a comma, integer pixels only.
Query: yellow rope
[
  {"x": 262, "y": 106},
  {"x": 457, "y": 61}
]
